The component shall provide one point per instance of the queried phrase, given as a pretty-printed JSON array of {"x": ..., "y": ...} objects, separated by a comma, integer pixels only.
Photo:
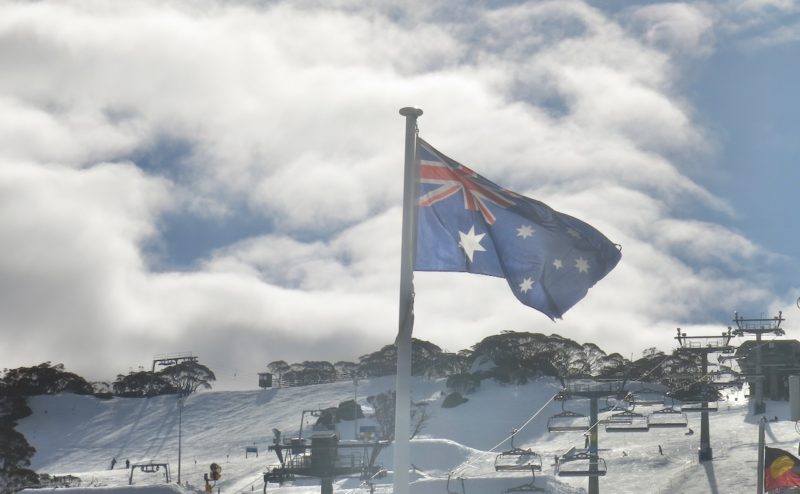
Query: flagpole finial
[{"x": 410, "y": 111}]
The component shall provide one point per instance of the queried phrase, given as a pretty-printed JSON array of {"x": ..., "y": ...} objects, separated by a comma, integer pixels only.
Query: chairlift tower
[
  {"x": 759, "y": 327},
  {"x": 593, "y": 392},
  {"x": 172, "y": 359},
  {"x": 702, "y": 346}
]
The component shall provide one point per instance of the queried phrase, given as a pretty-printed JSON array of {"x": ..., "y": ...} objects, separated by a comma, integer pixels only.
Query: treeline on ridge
[{"x": 509, "y": 357}]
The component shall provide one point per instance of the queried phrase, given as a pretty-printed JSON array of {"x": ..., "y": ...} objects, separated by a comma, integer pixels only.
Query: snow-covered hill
[{"x": 79, "y": 435}]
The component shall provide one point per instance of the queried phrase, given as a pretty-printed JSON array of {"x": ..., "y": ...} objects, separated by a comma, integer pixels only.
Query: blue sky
[
  {"x": 747, "y": 99},
  {"x": 225, "y": 177}
]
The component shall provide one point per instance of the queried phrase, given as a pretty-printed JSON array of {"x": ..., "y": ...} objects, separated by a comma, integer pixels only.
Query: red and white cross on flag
[{"x": 456, "y": 178}]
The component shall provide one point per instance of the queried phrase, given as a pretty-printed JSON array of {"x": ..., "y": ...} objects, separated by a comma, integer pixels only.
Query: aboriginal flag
[{"x": 782, "y": 469}]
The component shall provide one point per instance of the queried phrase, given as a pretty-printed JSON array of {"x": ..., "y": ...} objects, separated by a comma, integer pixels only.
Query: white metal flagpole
[
  {"x": 402, "y": 416},
  {"x": 760, "y": 467}
]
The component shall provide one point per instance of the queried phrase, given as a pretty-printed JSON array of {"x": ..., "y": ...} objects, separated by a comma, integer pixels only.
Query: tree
[
  {"x": 427, "y": 360},
  {"x": 188, "y": 376},
  {"x": 346, "y": 370},
  {"x": 613, "y": 366},
  {"x": 44, "y": 379},
  {"x": 142, "y": 383},
  {"x": 15, "y": 456},
  {"x": 380, "y": 363},
  {"x": 349, "y": 410},
  {"x": 419, "y": 418},
  {"x": 278, "y": 368},
  {"x": 463, "y": 383},
  {"x": 383, "y": 405},
  {"x": 13, "y": 407},
  {"x": 310, "y": 372}
]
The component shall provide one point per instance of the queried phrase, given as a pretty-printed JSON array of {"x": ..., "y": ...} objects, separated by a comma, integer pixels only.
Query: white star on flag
[
  {"x": 582, "y": 265},
  {"x": 525, "y": 231},
  {"x": 557, "y": 263},
  {"x": 471, "y": 242},
  {"x": 526, "y": 285}
]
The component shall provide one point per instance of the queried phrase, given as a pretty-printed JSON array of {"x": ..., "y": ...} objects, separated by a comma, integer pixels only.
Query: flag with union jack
[{"x": 467, "y": 223}]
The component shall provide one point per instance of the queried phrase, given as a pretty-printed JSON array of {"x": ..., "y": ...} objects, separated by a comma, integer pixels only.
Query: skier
[
  {"x": 127, "y": 464},
  {"x": 113, "y": 462},
  {"x": 660, "y": 451}
]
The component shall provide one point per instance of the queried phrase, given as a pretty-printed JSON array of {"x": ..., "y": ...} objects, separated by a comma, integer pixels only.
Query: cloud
[
  {"x": 679, "y": 29},
  {"x": 70, "y": 249},
  {"x": 121, "y": 120},
  {"x": 759, "y": 24}
]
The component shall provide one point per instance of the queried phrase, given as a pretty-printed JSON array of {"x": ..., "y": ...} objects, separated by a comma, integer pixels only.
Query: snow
[{"x": 79, "y": 435}]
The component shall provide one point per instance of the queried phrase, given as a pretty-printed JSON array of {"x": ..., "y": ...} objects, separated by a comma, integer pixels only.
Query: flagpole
[
  {"x": 402, "y": 416},
  {"x": 760, "y": 467}
]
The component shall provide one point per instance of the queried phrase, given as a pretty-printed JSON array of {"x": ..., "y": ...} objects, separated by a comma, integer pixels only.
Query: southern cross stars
[
  {"x": 526, "y": 285},
  {"x": 471, "y": 242},
  {"x": 525, "y": 231}
]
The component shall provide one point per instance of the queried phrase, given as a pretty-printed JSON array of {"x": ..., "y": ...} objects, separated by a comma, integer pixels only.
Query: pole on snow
[{"x": 402, "y": 419}]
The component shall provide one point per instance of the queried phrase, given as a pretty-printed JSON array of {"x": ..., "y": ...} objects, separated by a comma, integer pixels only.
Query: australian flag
[{"x": 467, "y": 223}]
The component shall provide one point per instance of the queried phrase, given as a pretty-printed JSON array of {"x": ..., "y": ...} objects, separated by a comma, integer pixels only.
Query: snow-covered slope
[{"x": 80, "y": 435}]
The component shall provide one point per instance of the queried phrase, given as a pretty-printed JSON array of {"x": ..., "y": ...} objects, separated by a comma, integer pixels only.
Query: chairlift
[
  {"x": 667, "y": 417},
  {"x": 517, "y": 458},
  {"x": 567, "y": 421},
  {"x": 617, "y": 405},
  {"x": 529, "y": 487},
  {"x": 699, "y": 399},
  {"x": 447, "y": 487},
  {"x": 627, "y": 421},
  {"x": 700, "y": 407},
  {"x": 698, "y": 392},
  {"x": 647, "y": 397},
  {"x": 580, "y": 463}
]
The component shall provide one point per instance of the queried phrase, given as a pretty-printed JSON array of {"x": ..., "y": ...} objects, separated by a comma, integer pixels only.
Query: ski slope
[{"x": 79, "y": 435}]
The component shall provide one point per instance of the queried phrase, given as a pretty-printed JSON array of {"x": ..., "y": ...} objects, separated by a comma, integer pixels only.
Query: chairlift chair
[
  {"x": 581, "y": 463},
  {"x": 667, "y": 417},
  {"x": 700, "y": 407},
  {"x": 627, "y": 421},
  {"x": 529, "y": 487},
  {"x": 567, "y": 421},
  {"x": 647, "y": 397},
  {"x": 517, "y": 458}
]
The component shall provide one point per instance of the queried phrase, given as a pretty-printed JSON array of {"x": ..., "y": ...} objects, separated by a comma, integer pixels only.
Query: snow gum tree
[{"x": 189, "y": 376}]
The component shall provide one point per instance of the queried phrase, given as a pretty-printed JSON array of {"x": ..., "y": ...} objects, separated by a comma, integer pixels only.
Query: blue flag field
[{"x": 467, "y": 223}]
